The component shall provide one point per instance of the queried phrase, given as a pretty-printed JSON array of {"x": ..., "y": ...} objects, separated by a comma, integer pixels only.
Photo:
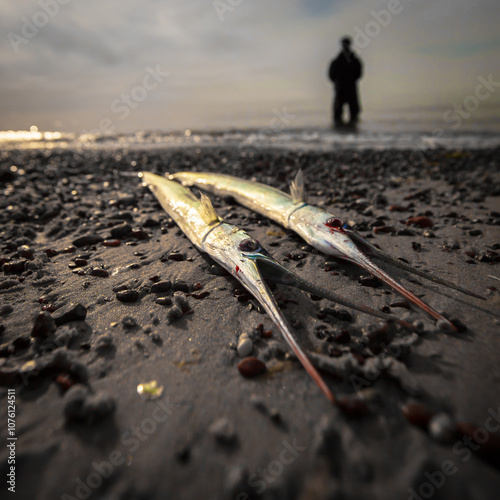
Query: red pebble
[
  {"x": 266, "y": 334},
  {"x": 64, "y": 382},
  {"x": 111, "y": 243},
  {"x": 139, "y": 234},
  {"x": 352, "y": 407},
  {"x": 251, "y": 367},
  {"x": 197, "y": 286},
  {"x": 417, "y": 414},
  {"x": 487, "y": 441},
  {"x": 419, "y": 221},
  {"x": 154, "y": 278},
  {"x": 397, "y": 208},
  {"x": 70, "y": 249},
  {"x": 200, "y": 295}
]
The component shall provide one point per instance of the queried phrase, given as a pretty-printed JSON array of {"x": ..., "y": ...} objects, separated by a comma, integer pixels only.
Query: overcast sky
[{"x": 174, "y": 64}]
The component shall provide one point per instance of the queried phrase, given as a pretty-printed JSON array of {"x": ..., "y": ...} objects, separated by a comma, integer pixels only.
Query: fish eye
[
  {"x": 249, "y": 245},
  {"x": 334, "y": 222}
]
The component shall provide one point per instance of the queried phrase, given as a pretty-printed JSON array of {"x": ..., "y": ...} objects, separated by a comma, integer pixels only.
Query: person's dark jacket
[{"x": 345, "y": 69}]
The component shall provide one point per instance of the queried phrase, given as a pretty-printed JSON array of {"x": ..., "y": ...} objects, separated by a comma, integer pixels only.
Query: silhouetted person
[{"x": 345, "y": 70}]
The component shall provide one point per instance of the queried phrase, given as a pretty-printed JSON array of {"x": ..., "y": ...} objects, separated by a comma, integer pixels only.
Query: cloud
[{"x": 234, "y": 71}]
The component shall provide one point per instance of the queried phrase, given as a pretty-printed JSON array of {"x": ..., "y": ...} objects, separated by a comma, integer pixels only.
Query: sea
[{"x": 374, "y": 134}]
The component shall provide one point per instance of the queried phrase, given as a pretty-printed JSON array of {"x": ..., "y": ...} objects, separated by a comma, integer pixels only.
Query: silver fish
[
  {"x": 320, "y": 229},
  {"x": 242, "y": 256}
]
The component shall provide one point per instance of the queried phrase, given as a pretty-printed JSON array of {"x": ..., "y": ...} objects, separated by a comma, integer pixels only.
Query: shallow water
[{"x": 369, "y": 135}]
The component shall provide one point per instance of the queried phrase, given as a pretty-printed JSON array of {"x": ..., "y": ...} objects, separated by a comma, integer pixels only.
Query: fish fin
[
  {"x": 207, "y": 211},
  {"x": 297, "y": 189}
]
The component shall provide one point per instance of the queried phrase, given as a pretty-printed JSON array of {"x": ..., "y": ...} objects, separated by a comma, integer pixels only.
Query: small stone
[
  {"x": 370, "y": 281},
  {"x": 419, "y": 221},
  {"x": 80, "y": 262},
  {"x": 352, "y": 407},
  {"x": 14, "y": 267},
  {"x": 127, "y": 295},
  {"x": 417, "y": 414},
  {"x": 139, "y": 234},
  {"x": 82, "y": 406},
  {"x": 112, "y": 243},
  {"x": 71, "y": 312},
  {"x": 101, "y": 273},
  {"x": 442, "y": 428},
  {"x": 120, "y": 230},
  {"x": 174, "y": 313},
  {"x": 161, "y": 286},
  {"x": 251, "y": 367},
  {"x": 478, "y": 435},
  {"x": 223, "y": 431},
  {"x": 245, "y": 347},
  {"x": 6, "y": 309},
  {"x": 87, "y": 240},
  {"x": 164, "y": 301},
  {"x": 44, "y": 325},
  {"x": 181, "y": 301},
  {"x": 180, "y": 286},
  {"x": 177, "y": 256},
  {"x": 129, "y": 322}
]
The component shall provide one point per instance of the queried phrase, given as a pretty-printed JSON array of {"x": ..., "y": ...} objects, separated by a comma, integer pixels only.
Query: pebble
[
  {"x": 245, "y": 346},
  {"x": 180, "y": 286},
  {"x": 70, "y": 312},
  {"x": 370, "y": 281},
  {"x": 164, "y": 301},
  {"x": 442, "y": 428},
  {"x": 101, "y": 273},
  {"x": 87, "y": 240},
  {"x": 80, "y": 405},
  {"x": 14, "y": 267},
  {"x": 251, "y": 367},
  {"x": 177, "y": 256},
  {"x": 112, "y": 243},
  {"x": 6, "y": 309},
  {"x": 417, "y": 414},
  {"x": 127, "y": 295},
  {"x": 161, "y": 286},
  {"x": 223, "y": 431},
  {"x": 121, "y": 230},
  {"x": 181, "y": 301},
  {"x": 420, "y": 221},
  {"x": 478, "y": 435},
  {"x": 174, "y": 313},
  {"x": 44, "y": 325},
  {"x": 129, "y": 322},
  {"x": 352, "y": 407}
]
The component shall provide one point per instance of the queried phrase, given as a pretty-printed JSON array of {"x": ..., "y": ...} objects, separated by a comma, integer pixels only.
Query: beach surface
[{"x": 100, "y": 292}]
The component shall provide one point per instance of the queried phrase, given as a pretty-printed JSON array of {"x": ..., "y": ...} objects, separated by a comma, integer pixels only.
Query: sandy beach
[{"x": 101, "y": 292}]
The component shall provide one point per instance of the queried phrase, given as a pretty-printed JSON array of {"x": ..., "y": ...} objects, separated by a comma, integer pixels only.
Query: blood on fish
[
  {"x": 237, "y": 269},
  {"x": 335, "y": 225}
]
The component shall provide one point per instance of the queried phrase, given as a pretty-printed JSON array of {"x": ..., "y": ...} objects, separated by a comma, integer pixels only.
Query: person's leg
[{"x": 337, "y": 110}]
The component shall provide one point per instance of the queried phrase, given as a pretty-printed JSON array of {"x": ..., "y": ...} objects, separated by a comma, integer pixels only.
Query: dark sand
[{"x": 214, "y": 434}]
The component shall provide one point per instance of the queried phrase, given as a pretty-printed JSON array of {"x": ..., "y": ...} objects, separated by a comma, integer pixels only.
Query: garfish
[
  {"x": 242, "y": 256},
  {"x": 320, "y": 229}
]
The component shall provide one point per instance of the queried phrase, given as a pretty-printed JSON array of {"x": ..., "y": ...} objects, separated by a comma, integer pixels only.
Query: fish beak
[{"x": 343, "y": 243}]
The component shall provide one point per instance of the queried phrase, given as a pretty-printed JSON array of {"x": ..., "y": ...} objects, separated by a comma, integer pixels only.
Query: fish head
[
  {"x": 240, "y": 254},
  {"x": 327, "y": 233}
]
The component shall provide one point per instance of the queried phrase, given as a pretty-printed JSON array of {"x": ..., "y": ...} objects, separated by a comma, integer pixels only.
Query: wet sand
[{"x": 83, "y": 243}]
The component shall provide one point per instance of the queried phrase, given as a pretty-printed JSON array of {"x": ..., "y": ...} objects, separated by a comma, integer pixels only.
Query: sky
[{"x": 121, "y": 66}]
